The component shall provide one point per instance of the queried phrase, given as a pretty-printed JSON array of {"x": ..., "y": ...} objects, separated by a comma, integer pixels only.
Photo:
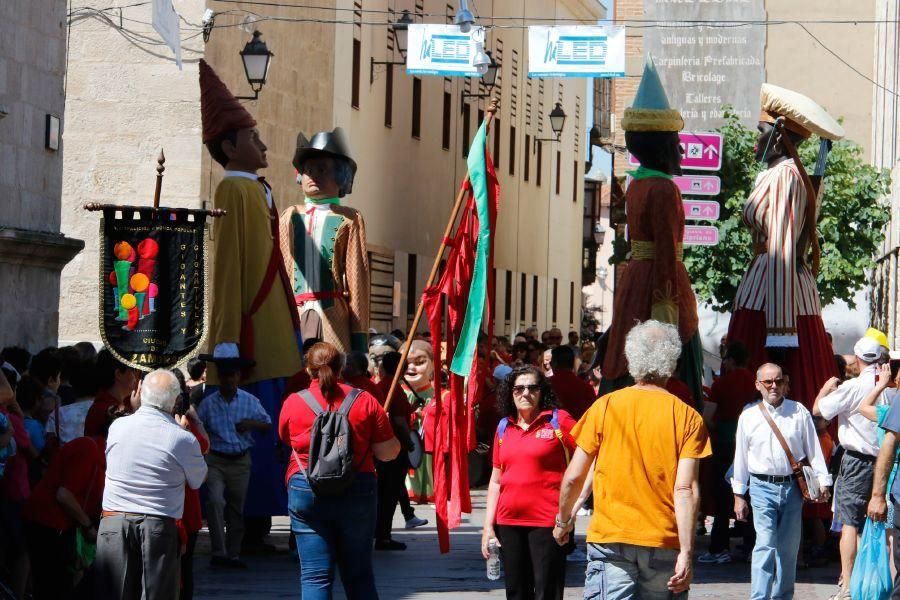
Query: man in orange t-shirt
[{"x": 647, "y": 444}]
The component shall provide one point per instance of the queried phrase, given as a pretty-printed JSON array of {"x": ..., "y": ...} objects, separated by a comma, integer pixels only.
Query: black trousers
[
  {"x": 52, "y": 555},
  {"x": 533, "y": 563},
  {"x": 390, "y": 486},
  {"x": 187, "y": 569}
]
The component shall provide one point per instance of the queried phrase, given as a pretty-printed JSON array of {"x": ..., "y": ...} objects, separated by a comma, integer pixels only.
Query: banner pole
[
  {"x": 161, "y": 160},
  {"x": 489, "y": 112}
]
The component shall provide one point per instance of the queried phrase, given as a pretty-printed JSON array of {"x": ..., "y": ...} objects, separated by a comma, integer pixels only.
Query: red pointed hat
[{"x": 219, "y": 109}]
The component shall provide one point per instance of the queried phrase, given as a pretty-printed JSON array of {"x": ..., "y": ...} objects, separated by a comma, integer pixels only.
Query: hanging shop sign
[
  {"x": 443, "y": 50},
  {"x": 576, "y": 51}
]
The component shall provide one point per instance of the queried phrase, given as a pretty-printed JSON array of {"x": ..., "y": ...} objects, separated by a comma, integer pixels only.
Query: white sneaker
[
  {"x": 584, "y": 512},
  {"x": 577, "y": 556},
  {"x": 415, "y": 522}
]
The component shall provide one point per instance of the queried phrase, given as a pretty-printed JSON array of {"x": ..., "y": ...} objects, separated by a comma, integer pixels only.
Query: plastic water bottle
[{"x": 493, "y": 561}]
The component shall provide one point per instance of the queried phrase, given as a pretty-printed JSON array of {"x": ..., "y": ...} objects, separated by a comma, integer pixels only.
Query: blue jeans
[
  {"x": 777, "y": 520},
  {"x": 626, "y": 571},
  {"x": 334, "y": 530}
]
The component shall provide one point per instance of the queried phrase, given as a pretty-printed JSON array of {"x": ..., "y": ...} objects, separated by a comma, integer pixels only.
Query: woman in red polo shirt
[
  {"x": 336, "y": 529},
  {"x": 523, "y": 495}
]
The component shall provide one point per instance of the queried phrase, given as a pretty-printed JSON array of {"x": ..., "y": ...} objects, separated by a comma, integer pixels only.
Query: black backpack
[{"x": 330, "y": 466}]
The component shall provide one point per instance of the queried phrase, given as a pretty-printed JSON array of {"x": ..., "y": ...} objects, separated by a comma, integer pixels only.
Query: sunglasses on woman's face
[{"x": 518, "y": 390}]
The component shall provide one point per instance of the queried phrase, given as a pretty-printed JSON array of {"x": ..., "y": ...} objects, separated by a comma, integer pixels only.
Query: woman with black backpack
[{"x": 335, "y": 432}]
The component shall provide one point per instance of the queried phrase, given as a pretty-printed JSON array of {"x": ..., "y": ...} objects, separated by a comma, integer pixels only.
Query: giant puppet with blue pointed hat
[
  {"x": 777, "y": 313},
  {"x": 325, "y": 245},
  {"x": 654, "y": 283}
]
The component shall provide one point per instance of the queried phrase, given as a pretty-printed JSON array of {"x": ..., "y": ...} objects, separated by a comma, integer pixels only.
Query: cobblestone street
[{"x": 422, "y": 573}]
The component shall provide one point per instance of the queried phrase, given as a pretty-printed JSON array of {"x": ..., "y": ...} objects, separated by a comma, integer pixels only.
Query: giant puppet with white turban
[{"x": 777, "y": 314}]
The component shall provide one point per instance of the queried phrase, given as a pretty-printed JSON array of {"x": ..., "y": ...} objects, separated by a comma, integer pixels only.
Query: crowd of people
[{"x": 102, "y": 466}]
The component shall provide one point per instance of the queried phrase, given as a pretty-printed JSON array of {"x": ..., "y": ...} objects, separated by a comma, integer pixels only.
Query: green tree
[{"x": 851, "y": 224}]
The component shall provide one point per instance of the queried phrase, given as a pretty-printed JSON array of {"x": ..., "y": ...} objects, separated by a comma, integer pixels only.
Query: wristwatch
[{"x": 564, "y": 524}]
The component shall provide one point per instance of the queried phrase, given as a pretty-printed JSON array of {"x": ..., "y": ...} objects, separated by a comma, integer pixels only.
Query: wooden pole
[
  {"x": 159, "y": 176},
  {"x": 434, "y": 269}
]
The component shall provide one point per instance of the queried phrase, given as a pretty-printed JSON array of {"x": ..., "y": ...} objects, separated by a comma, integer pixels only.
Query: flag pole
[{"x": 489, "y": 114}]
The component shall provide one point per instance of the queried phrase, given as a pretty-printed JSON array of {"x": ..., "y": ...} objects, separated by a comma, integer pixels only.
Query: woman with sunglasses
[{"x": 531, "y": 450}]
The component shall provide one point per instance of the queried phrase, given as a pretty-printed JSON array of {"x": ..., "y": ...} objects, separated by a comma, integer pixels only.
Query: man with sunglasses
[
  {"x": 858, "y": 436},
  {"x": 762, "y": 466}
]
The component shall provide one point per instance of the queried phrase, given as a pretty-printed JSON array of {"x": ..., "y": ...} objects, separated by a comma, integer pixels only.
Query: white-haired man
[
  {"x": 150, "y": 456},
  {"x": 762, "y": 466},
  {"x": 647, "y": 444},
  {"x": 858, "y": 435}
]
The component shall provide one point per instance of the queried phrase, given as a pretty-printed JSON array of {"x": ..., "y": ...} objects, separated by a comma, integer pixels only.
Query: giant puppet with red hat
[{"x": 252, "y": 301}]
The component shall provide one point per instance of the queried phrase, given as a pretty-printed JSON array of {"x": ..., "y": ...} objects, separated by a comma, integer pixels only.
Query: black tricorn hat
[{"x": 325, "y": 143}]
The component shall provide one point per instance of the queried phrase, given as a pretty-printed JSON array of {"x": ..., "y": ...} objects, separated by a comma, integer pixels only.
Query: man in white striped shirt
[
  {"x": 761, "y": 466},
  {"x": 858, "y": 435}
]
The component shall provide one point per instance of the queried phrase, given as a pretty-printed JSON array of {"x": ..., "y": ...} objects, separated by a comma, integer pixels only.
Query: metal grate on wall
[{"x": 381, "y": 291}]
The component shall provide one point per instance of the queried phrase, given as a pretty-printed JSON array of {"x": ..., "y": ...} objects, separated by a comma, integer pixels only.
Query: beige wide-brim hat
[{"x": 800, "y": 110}]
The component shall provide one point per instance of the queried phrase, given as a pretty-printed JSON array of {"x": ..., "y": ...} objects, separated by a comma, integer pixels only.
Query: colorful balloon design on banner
[{"x": 134, "y": 292}]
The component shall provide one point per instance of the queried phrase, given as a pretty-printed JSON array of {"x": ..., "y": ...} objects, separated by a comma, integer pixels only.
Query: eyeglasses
[
  {"x": 771, "y": 382},
  {"x": 518, "y": 390}
]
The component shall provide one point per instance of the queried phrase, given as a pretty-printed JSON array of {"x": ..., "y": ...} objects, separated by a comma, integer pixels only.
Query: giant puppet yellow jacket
[{"x": 242, "y": 247}]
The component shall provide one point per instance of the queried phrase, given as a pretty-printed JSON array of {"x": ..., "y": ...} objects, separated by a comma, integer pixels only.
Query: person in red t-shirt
[
  {"x": 336, "y": 529},
  {"x": 14, "y": 489},
  {"x": 392, "y": 473},
  {"x": 733, "y": 390},
  {"x": 116, "y": 383},
  {"x": 529, "y": 462},
  {"x": 573, "y": 393},
  {"x": 356, "y": 374},
  {"x": 68, "y": 498}
]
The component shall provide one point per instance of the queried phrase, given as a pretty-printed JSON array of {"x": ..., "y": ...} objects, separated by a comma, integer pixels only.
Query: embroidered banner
[{"x": 153, "y": 293}]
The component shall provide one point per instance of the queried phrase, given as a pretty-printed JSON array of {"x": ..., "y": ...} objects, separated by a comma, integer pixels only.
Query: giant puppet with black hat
[
  {"x": 251, "y": 299},
  {"x": 654, "y": 283},
  {"x": 777, "y": 314},
  {"x": 324, "y": 244}
]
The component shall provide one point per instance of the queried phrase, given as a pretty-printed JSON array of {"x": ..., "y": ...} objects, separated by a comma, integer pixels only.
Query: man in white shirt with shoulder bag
[{"x": 776, "y": 442}]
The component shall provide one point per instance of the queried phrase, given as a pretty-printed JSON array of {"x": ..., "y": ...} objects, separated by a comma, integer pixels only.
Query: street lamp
[
  {"x": 599, "y": 234},
  {"x": 400, "y": 31},
  {"x": 256, "y": 57},
  {"x": 463, "y": 17},
  {"x": 488, "y": 76},
  {"x": 557, "y": 122}
]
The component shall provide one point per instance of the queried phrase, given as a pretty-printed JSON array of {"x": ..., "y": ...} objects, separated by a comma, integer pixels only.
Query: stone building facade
[
  {"x": 886, "y": 154},
  {"x": 32, "y": 99},
  {"x": 320, "y": 78},
  {"x": 126, "y": 101}
]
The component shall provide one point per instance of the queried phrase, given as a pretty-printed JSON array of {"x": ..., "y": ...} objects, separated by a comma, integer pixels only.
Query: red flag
[{"x": 453, "y": 419}]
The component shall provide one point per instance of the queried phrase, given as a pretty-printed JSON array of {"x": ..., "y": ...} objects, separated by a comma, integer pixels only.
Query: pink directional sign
[
  {"x": 702, "y": 151},
  {"x": 701, "y": 235},
  {"x": 694, "y": 185},
  {"x": 698, "y": 185},
  {"x": 701, "y": 210}
]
